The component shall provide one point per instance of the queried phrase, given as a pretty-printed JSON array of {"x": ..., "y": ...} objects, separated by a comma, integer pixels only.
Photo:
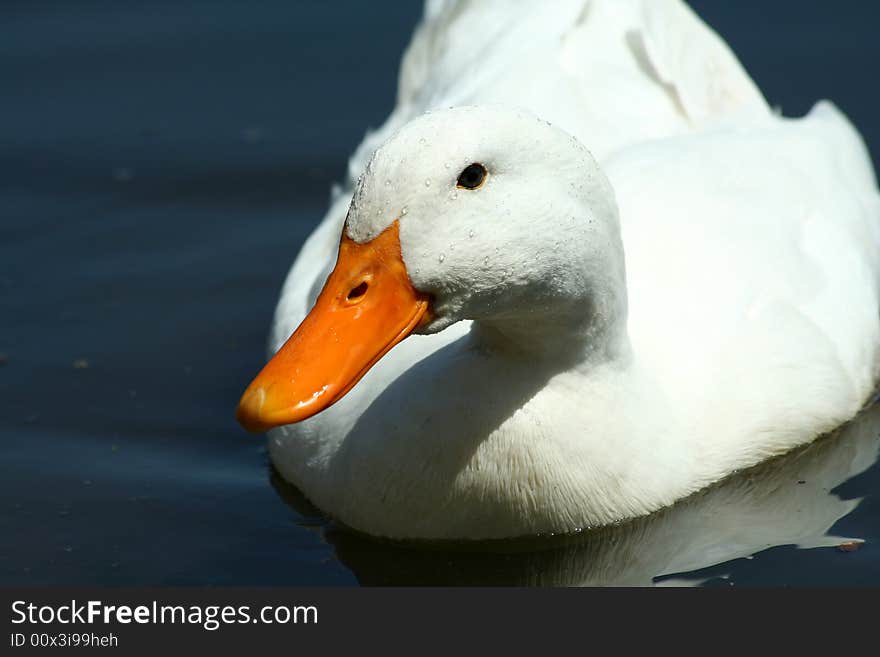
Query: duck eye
[{"x": 472, "y": 176}]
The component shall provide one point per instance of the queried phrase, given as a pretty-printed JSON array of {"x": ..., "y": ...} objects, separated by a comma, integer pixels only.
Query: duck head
[{"x": 482, "y": 213}]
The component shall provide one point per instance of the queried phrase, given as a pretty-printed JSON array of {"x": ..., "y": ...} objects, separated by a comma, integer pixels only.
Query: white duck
[
  {"x": 786, "y": 501},
  {"x": 596, "y": 342}
]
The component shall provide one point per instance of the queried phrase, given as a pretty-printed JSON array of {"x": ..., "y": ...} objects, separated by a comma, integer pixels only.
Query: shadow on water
[{"x": 792, "y": 500}]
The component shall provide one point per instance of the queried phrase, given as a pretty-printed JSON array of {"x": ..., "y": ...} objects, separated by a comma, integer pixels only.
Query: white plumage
[{"x": 700, "y": 296}]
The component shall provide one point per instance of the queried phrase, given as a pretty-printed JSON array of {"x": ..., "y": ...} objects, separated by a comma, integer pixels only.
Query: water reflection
[{"x": 787, "y": 501}]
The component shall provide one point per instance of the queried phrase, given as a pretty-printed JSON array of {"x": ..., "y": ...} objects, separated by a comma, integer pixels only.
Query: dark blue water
[{"x": 160, "y": 164}]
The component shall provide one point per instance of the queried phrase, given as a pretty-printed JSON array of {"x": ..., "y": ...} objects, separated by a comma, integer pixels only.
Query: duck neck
[{"x": 582, "y": 335}]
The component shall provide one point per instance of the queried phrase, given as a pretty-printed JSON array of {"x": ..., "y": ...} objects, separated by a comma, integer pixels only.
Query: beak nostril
[{"x": 357, "y": 292}]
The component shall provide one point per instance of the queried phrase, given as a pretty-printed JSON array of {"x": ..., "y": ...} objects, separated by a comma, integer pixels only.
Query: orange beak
[{"x": 367, "y": 306}]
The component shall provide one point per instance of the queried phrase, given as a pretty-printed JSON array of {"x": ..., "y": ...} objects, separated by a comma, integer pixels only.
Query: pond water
[{"x": 161, "y": 164}]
